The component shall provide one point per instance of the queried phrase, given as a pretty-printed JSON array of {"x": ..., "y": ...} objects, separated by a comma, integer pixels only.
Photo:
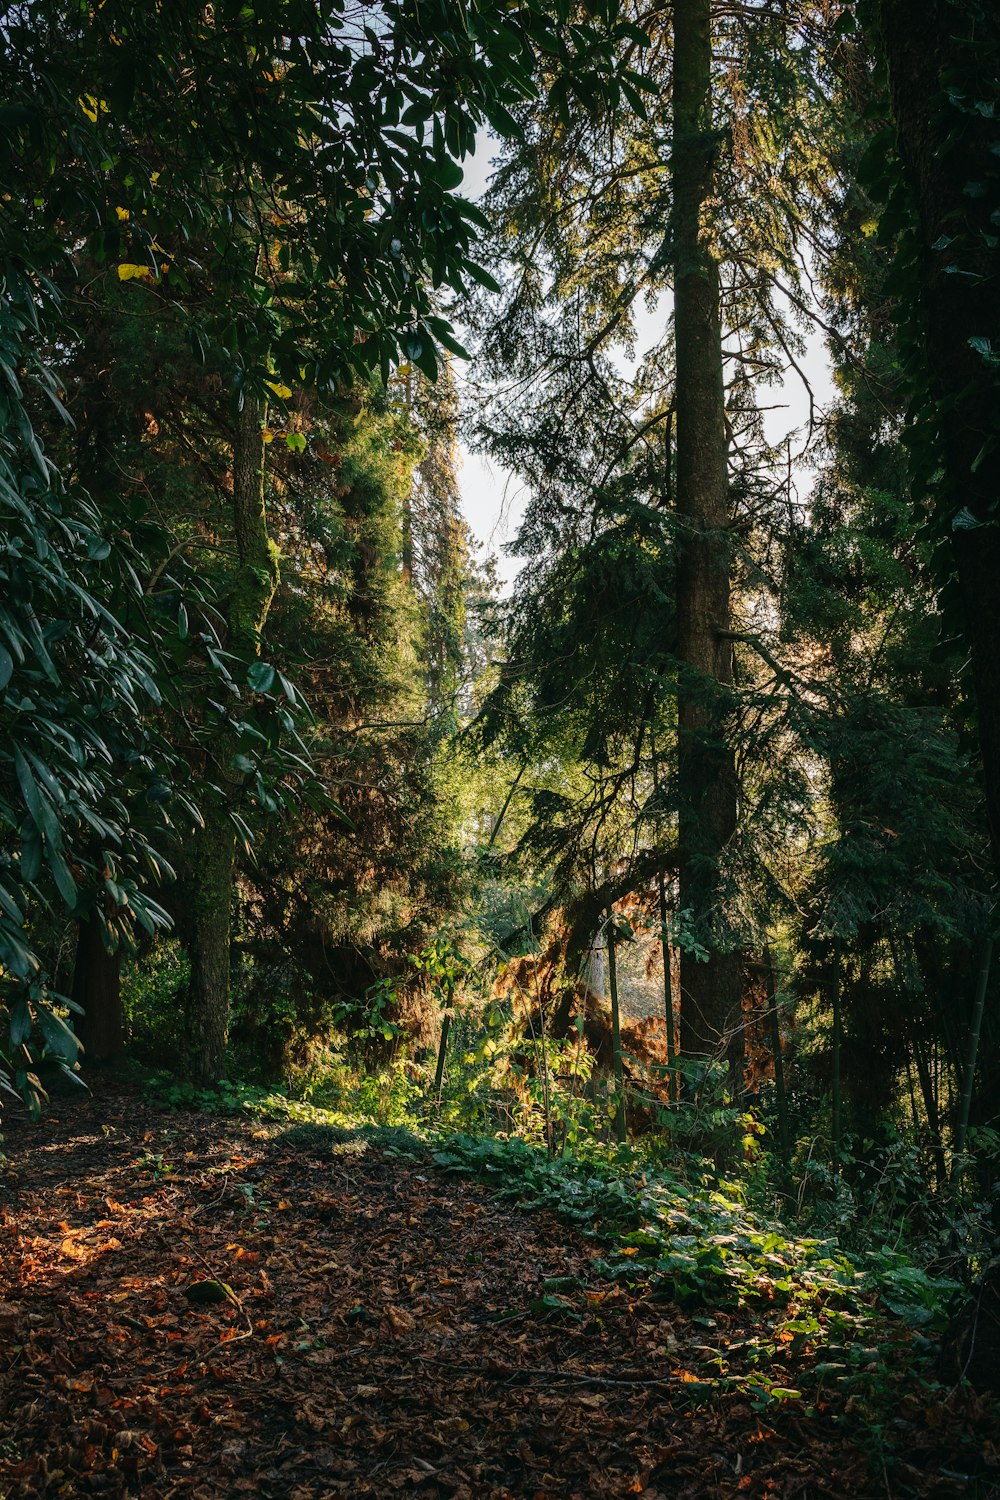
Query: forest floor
[{"x": 379, "y": 1331}]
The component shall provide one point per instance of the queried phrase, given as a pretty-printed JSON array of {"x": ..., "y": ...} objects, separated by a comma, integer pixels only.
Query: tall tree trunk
[
  {"x": 780, "y": 1096},
  {"x": 621, "y": 1128},
  {"x": 836, "y": 1083},
  {"x": 207, "y": 917},
  {"x": 710, "y": 991},
  {"x": 948, "y": 143},
  {"x": 443, "y": 1048},
  {"x": 910, "y": 980},
  {"x": 668, "y": 989},
  {"x": 929, "y": 1095},
  {"x": 97, "y": 988},
  {"x": 971, "y": 1053},
  {"x": 210, "y": 874}
]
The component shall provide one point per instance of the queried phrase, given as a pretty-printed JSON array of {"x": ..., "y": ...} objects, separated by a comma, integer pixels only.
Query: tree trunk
[
  {"x": 780, "y": 1096},
  {"x": 971, "y": 1053},
  {"x": 210, "y": 875},
  {"x": 929, "y": 1095},
  {"x": 710, "y": 991},
  {"x": 257, "y": 576},
  {"x": 836, "y": 1092},
  {"x": 97, "y": 988},
  {"x": 621, "y": 1129},
  {"x": 668, "y": 989},
  {"x": 207, "y": 919},
  {"x": 947, "y": 141},
  {"x": 442, "y": 1054},
  {"x": 594, "y": 973}
]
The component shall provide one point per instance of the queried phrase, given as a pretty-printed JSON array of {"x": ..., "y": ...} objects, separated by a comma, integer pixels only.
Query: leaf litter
[{"x": 192, "y": 1306}]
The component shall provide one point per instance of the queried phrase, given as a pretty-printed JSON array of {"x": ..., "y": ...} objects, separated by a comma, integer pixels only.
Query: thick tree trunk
[
  {"x": 97, "y": 988},
  {"x": 780, "y": 1096},
  {"x": 668, "y": 990},
  {"x": 972, "y": 1053},
  {"x": 210, "y": 874},
  {"x": 710, "y": 991},
  {"x": 207, "y": 915},
  {"x": 978, "y": 559},
  {"x": 836, "y": 1083},
  {"x": 661, "y": 882},
  {"x": 621, "y": 1127}
]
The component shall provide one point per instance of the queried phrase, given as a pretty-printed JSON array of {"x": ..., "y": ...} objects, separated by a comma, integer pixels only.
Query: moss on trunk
[
  {"x": 211, "y": 861},
  {"x": 707, "y": 814}
]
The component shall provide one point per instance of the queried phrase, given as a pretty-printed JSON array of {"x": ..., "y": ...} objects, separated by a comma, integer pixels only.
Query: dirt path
[{"x": 377, "y": 1336}]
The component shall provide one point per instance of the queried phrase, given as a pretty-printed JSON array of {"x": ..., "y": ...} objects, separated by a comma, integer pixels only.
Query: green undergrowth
[
  {"x": 786, "y": 1318},
  {"x": 688, "y": 1237},
  {"x": 806, "y": 1323},
  {"x": 675, "y": 1232}
]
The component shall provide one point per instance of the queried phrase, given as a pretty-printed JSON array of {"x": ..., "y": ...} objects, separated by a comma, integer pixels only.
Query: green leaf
[
  {"x": 63, "y": 878},
  {"x": 427, "y": 360},
  {"x": 20, "y": 1022},
  {"x": 209, "y": 1293},
  {"x": 42, "y": 812},
  {"x": 59, "y": 1039},
  {"x": 10, "y": 906},
  {"x": 31, "y": 857},
  {"x": 984, "y": 347},
  {"x": 480, "y": 274},
  {"x": 448, "y": 341},
  {"x": 449, "y": 174},
  {"x": 261, "y": 676}
]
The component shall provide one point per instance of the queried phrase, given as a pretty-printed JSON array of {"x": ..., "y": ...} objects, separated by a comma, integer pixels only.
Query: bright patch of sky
[{"x": 494, "y": 499}]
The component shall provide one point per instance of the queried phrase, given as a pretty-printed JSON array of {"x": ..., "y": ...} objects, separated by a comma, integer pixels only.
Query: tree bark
[
  {"x": 97, "y": 988},
  {"x": 710, "y": 991},
  {"x": 780, "y": 1096},
  {"x": 971, "y": 1053},
  {"x": 621, "y": 1127},
  {"x": 836, "y": 1090},
  {"x": 668, "y": 988},
  {"x": 929, "y": 1095},
  {"x": 442, "y": 1054},
  {"x": 207, "y": 925},
  {"x": 210, "y": 875}
]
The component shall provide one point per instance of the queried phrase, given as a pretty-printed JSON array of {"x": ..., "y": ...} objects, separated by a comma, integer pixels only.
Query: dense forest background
[{"x": 691, "y": 838}]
